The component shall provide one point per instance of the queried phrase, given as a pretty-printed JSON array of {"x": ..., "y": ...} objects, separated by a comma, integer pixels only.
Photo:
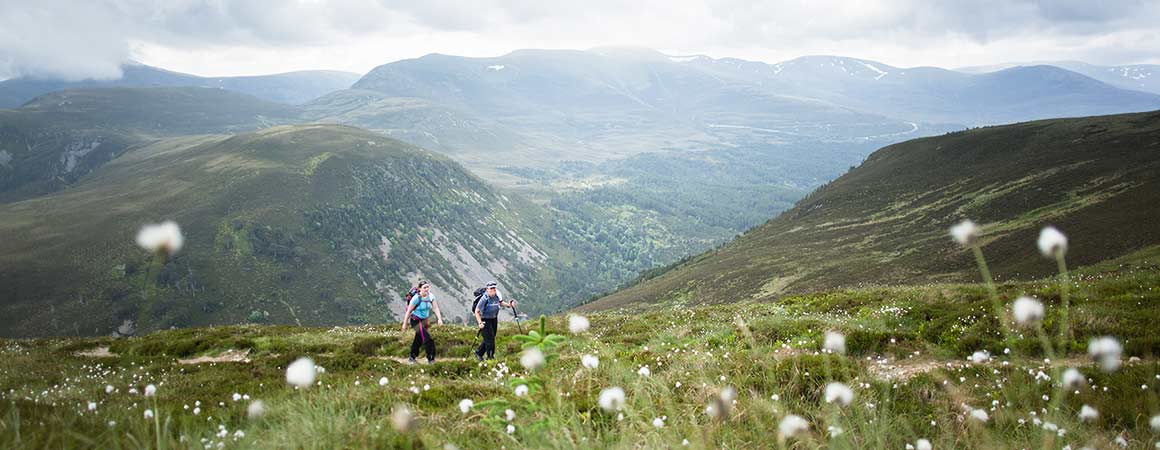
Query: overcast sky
[{"x": 76, "y": 39}]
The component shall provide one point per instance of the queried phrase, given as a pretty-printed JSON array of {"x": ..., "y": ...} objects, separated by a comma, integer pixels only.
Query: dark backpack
[
  {"x": 478, "y": 295},
  {"x": 411, "y": 294}
]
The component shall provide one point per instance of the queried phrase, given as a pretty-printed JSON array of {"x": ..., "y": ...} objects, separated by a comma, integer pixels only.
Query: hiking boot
[
  {"x": 479, "y": 357},
  {"x": 411, "y": 360},
  {"x": 430, "y": 360}
]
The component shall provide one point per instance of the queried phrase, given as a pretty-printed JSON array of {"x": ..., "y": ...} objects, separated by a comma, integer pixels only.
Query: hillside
[
  {"x": 289, "y": 88},
  {"x": 1138, "y": 77},
  {"x": 55, "y": 139},
  {"x": 886, "y": 221},
  {"x": 311, "y": 224},
  {"x": 721, "y": 376}
]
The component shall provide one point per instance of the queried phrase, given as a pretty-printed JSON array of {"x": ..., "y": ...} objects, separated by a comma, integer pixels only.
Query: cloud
[{"x": 79, "y": 39}]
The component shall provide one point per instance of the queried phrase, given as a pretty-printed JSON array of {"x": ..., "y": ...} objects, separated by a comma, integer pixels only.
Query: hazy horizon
[{"x": 71, "y": 40}]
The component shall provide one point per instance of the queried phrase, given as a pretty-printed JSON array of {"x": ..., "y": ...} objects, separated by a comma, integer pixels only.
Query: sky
[{"x": 78, "y": 39}]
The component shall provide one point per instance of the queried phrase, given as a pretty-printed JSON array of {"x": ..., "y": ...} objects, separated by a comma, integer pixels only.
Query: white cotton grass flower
[
  {"x": 92, "y": 406},
  {"x": 590, "y": 361},
  {"x": 839, "y": 392},
  {"x": 965, "y": 232},
  {"x": 383, "y": 381},
  {"x": 834, "y": 342},
  {"x": 980, "y": 357},
  {"x": 658, "y": 422},
  {"x": 301, "y": 372},
  {"x": 150, "y": 390},
  {"x": 511, "y": 428},
  {"x": 109, "y": 389},
  {"x": 577, "y": 324},
  {"x": 979, "y": 415},
  {"x": 644, "y": 371},
  {"x": 521, "y": 390},
  {"x": 1155, "y": 423},
  {"x": 256, "y": 409},
  {"x": 148, "y": 414},
  {"x": 1052, "y": 242},
  {"x": 922, "y": 444},
  {"x": 509, "y": 415},
  {"x": 611, "y": 399},
  {"x": 1072, "y": 378},
  {"x": 238, "y": 396},
  {"x": 466, "y": 404},
  {"x": 1027, "y": 310},
  {"x": 1107, "y": 351},
  {"x": 792, "y": 425},
  {"x": 532, "y": 358},
  {"x": 1088, "y": 414},
  {"x": 402, "y": 418},
  {"x": 721, "y": 406},
  {"x": 163, "y": 239}
]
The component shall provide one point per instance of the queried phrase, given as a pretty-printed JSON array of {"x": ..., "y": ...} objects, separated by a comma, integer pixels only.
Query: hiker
[
  {"x": 487, "y": 315},
  {"x": 418, "y": 310}
]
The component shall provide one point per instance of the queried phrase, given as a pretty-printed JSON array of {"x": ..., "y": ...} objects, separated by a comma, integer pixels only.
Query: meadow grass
[{"x": 906, "y": 362}]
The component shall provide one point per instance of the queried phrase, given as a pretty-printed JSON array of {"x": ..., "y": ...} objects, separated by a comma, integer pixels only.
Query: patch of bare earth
[
  {"x": 99, "y": 352},
  {"x": 230, "y": 355},
  {"x": 420, "y": 360},
  {"x": 905, "y": 369}
]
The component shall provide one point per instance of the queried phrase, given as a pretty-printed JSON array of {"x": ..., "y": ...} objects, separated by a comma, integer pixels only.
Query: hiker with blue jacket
[
  {"x": 418, "y": 310},
  {"x": 487, "y": 315}
]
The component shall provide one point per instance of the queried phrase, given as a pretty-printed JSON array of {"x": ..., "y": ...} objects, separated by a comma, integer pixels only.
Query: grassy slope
[
  {"x": 886, "y": 221},
  {"x": 692, "y": 354},
  {"x": 57, "y": 138},
  {"x": 286, "y": 221}
]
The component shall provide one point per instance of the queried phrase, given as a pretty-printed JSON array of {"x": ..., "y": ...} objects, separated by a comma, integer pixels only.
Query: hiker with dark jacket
[
  {"x": 487, "y": 315},
  {"x": 418, "y": 310}
]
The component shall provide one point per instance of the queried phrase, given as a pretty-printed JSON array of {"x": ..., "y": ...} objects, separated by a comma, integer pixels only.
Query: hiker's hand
[
  {"x": 404, "y": 327},
  {"x": 440, "y": 322},
  {"x": 512, "y": 303},
  {"x": 481, "y": 325}
]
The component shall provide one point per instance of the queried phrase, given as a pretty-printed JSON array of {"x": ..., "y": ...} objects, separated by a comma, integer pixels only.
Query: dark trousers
[
  {"x": 488, "y": 345},
  {"x": 423, "y": 338}
]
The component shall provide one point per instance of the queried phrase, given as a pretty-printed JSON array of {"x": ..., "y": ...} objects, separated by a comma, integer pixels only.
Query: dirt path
[
  {"x": 99, "y": 352},
  {"x": 905, "y": 369},
  {"x": 231, "y": 355},
  {"x": 402, "y": 360}
]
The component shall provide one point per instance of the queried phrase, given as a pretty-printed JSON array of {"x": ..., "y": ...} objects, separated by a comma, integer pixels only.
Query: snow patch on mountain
[
  {"x": 497, "y": 67},
  {"x": 875, "y": 69},
  {"x": 1134, "y": 73},
  {"x": 681, "y": 59}
]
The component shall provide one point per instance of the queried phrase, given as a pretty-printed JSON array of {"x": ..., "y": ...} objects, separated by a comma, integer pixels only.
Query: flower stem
[
  {"x": 996, "y": 305},
  {"x": 1065, "y": 299}
]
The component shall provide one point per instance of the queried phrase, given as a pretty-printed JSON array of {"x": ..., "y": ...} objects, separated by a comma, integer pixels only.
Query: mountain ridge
[{"x": 885, "y": 221}]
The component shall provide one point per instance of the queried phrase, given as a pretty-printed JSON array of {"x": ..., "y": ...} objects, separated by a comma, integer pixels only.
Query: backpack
[
  {"x": 411, "y": 294},
  {"x": 478, "y": 295}
]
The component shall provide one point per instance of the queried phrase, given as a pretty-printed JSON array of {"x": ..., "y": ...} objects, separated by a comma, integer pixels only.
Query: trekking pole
[
  {"x": 471, "y": 351},
  {"x": 517, "y": 317}
]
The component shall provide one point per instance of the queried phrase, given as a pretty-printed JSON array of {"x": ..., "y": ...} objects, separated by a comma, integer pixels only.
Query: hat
[{"x": 490, "y": 284}]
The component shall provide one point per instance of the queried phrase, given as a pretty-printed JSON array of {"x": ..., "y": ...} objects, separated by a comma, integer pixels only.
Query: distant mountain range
[
  {"x": 607, "y": 162},
  {"x": 290, "y": 88},
  {"x": 536, "y": 107},
  {"x": 886, "y": 222},
  {"x": 1140, "y": 77}
]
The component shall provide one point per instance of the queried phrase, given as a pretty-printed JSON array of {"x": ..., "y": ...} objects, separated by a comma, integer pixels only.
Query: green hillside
[
  {"x": 312, "y": 224},
  {"x": 905, "y": 364},
  {"x": 885, "y": 222},
  {"x": 55, "y": 139}
]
